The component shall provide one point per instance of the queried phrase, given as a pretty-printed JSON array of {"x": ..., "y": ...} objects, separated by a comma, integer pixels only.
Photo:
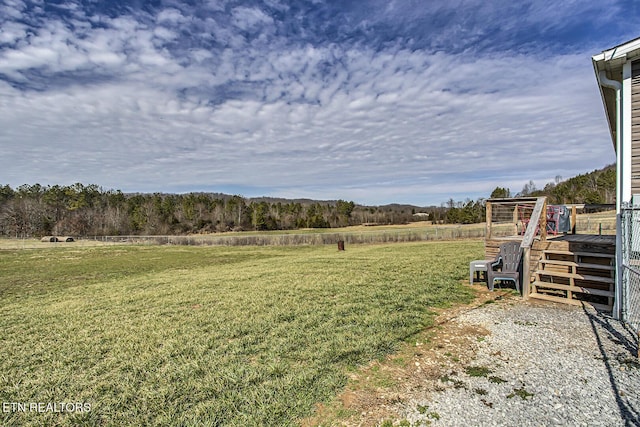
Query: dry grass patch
[{"x": 152, "y": 335}]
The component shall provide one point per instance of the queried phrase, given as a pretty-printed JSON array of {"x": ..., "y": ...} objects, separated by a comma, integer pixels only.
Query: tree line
[
  {"x": 88, "y": 210},
  {"x": 596, "y": 188}
]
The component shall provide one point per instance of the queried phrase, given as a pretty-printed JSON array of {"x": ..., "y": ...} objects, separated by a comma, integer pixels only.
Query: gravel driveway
[{"x": 542, "y": 364}]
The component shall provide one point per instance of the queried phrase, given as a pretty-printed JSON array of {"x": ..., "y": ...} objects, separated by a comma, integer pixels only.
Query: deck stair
[{"x": 575, "y": 277}]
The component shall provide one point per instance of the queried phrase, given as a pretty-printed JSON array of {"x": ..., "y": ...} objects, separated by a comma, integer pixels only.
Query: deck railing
[
  {"x": 506, "y": 211},
  {"x": 528, "y": 215}
]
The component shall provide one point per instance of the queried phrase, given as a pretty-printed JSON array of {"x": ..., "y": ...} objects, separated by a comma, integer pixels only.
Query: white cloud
[
  {"x": 11, "y": 32},
  {"x": 164, "y": 34},
  {"x": 247, "y": 18},
  {"x": 12, "y": 9},
  {"x": 374, "y": 124},
  {"x": 171, "y": 16}
]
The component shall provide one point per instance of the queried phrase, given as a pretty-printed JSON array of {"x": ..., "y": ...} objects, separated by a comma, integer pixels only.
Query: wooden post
[
  {"x": 543, "y": 221},
  {"x": 526, "y": 273},
  {"x": 488, "y": 219},
  {"x": 538, "y": 216},
  {"x": 515, "y": 218},
  {"x": 574, "y": 217}
]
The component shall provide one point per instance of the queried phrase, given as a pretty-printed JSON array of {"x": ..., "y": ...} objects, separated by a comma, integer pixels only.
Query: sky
[{"x": 374, "y": 101}]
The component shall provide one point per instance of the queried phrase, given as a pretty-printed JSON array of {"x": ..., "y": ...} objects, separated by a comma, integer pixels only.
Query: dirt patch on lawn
[{"x": 417, "y": 369}]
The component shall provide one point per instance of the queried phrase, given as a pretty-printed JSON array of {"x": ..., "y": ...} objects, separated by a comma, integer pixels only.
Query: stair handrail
[
  {"x": 532, "y": 227},
  {"x": 527, "y": 241}
]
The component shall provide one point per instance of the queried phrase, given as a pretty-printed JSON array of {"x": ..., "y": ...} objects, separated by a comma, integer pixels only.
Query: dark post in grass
[{"x": 341, "y": 245}]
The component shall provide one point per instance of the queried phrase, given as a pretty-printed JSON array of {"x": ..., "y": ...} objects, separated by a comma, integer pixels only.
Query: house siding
[{"x": 635, "y": 127}]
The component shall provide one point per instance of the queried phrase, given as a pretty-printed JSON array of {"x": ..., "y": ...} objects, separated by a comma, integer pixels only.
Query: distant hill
[{"x": 596, "y": 187}]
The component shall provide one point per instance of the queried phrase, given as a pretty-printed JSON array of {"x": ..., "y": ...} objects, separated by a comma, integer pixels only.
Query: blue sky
[{"x": 373, "y": 101}]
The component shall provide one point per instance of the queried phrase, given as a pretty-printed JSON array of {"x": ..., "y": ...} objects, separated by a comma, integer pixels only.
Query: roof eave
[
  {"x": 622, "y": 51},
  {"x": 611, "y": 61},
  {"x": 599, "y": 65}
]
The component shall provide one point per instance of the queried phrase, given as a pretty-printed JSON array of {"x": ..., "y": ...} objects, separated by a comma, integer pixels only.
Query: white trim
[
  {"x": 610, "y": 62},
  {"x": 626, "y": 133},
  {"x": 618, "y": 52}
]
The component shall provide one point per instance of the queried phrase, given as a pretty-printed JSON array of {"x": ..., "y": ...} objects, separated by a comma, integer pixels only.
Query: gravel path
[{"x": 549, "y": 365}]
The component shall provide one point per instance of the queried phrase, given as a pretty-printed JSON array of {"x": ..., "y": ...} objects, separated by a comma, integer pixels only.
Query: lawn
[{"x": 175, "y": 335}]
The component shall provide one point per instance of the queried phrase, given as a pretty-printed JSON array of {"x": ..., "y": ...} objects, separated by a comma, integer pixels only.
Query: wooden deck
[{"x": 570, "y": 269}]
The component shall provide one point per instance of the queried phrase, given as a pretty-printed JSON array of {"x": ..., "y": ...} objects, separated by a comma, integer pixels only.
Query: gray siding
[{"x": 635, "y": 127}]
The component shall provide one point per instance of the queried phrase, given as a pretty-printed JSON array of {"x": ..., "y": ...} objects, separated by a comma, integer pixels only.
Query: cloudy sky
[{"x": 375, "y": 101}]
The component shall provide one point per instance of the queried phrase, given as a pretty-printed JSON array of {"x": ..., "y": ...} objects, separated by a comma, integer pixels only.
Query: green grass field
[{"x": 166, "y": 335}]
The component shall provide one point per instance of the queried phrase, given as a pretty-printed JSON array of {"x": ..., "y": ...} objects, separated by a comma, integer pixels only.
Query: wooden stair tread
[
  {"x": 557, "y": 252},
  {"x": 578, "y": 264},
  {"x": 596, "y": 266},
  {"x": 570, "y": 288},
  {"x": 575, "y": 276},
  {"x": 579, "y": 253},
  {"x": 569, "y": 301},
  {"x": 582, "y": 271},
  {"x": 559, "y": 262},
  {"x": 595, "y": 254}
]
